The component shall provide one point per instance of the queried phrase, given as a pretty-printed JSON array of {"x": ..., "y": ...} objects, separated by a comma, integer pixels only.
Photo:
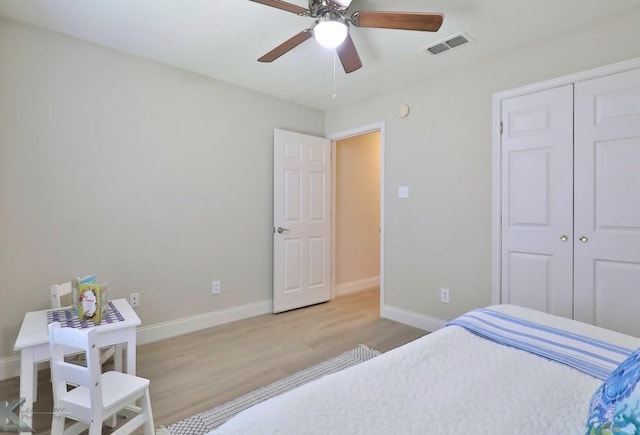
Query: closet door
[
  {"x": 537, "y": 201},
  {"x": 607, "y": 202}
]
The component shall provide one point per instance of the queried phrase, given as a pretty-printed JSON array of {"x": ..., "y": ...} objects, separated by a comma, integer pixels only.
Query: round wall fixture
[{"x": 403, "y": 111}]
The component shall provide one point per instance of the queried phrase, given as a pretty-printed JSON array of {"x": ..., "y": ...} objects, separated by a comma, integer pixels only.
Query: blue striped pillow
[{"x": 615, "y": 406}]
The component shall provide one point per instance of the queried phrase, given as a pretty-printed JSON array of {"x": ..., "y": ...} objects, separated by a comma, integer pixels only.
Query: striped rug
[{"x": 209, "y": 420}]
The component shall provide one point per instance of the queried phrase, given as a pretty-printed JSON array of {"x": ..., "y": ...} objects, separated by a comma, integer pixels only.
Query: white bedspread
[{"x": 448, "y": 382}]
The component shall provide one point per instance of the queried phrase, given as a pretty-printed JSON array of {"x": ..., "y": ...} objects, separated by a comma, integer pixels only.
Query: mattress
[{"x": 451, "y": 381}]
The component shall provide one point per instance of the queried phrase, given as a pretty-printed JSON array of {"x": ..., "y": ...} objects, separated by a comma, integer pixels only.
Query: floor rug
[{"x": 209, "y": 420}]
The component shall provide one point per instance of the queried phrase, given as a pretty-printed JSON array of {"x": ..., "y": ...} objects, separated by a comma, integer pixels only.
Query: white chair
[
  {"x": 97, "y": 396},
  {"x": 59, "y": 291}
]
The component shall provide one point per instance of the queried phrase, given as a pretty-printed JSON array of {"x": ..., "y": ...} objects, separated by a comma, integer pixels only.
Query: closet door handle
[
  {"x": 583, "y": 239},
  {"x": 564, "y": 238}
]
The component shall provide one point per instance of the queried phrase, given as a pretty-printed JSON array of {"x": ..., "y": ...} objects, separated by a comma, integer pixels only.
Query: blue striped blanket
[{"x": 593, "y": 357}]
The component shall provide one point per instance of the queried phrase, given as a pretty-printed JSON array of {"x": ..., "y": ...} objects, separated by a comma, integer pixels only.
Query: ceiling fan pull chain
[{"x": 334, "y": 75}]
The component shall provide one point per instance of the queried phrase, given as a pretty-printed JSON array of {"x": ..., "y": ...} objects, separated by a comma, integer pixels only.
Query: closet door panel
[
  {"x": 530, "y": 275},
  {"x": 607, "y": 202},
  {"x": 537, "y": 204},
  {"x": 616, "y": 295}
]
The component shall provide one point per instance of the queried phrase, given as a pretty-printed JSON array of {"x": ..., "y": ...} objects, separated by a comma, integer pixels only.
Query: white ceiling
[{"x": 223, "y": 38}]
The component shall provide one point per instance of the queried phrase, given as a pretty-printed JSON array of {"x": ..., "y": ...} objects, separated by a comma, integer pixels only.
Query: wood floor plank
[{"x": 197, "y": 371}]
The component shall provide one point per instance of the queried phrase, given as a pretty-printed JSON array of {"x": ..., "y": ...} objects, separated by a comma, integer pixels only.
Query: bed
[{"x": 461, "y": 380}]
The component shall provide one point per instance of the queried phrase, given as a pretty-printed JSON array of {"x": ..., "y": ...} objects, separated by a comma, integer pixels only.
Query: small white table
[{"x": 33, "y": 344}]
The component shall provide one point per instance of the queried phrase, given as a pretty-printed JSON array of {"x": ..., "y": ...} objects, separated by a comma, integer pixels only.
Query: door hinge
[{"x": 500, "y": 127}]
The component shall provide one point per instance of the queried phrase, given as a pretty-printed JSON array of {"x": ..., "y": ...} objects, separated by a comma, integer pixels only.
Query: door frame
[
  {"x": 496, "y": 163},
  {"x": 358, "y": 131}
]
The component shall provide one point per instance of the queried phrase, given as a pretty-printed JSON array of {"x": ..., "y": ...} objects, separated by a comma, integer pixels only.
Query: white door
[
  {"x": 607, "y": 202},
  {"x": 301, "y": 219},
  {"x": 537, "y": 201}
]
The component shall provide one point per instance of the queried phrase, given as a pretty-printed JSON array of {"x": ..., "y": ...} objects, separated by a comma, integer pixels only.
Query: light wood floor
[{"x": 195, "y": 372}]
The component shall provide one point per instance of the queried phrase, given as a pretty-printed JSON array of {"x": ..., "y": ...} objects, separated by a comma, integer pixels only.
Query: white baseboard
[
  {"x": 10, "y": 366},
  {"x": 173, "y": 328},
  {"x": 411, "y": 318},
  {"x": 355, "y": 286}
]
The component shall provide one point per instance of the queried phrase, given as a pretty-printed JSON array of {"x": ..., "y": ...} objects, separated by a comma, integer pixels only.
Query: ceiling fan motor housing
[
  {"x": 331, "y": 16},
  {"x": 318, "y": 8}
]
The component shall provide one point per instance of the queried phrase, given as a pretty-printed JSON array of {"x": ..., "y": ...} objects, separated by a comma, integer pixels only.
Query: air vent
[
  {"x": 437, "y": 49},
  {"x": 447, "y": 44}
]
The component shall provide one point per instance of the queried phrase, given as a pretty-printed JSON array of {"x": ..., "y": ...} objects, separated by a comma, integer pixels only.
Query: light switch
[{"x": 403, "y": 192}]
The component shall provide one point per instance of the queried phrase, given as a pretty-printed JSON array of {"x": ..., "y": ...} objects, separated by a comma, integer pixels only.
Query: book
[
  {"x": 100, "y": 294},
  {"x": 90, "y": 302},
  {"x": 89, "y": 279}
]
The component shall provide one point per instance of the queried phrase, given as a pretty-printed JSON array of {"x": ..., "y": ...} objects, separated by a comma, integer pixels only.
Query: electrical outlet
[
  {"x": 215, "y": 288},
  {"x": 444, "y": 295},
  {"x": 134, "y": 299}
]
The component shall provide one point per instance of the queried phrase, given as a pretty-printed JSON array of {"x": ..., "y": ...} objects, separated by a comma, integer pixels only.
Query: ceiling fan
[{"x": 331, "y": 28}]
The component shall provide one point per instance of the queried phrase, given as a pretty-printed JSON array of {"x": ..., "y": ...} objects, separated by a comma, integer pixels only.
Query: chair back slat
[
  {"x": 71, "y": 339},
  {"x": 58, "y": 291},
  {"x": 64, "y": 341},
  {"x": 73, "y": 373}
]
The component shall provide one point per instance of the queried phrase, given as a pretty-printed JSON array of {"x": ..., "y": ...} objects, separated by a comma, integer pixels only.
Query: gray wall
[
  {"x": 151, "y": 177},
  {"x": 441, "y": 235}
]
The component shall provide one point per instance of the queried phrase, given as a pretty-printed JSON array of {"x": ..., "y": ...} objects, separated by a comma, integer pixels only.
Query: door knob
[
  {"x": 564, "y": 238},
  {"x": 583, "y": 239},
  {"x": 282, "y": 230}
]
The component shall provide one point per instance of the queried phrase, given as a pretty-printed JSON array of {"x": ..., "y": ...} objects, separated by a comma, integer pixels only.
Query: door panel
[
  {"x": 291, "y": 196},
  {"x": 292, "y": 277},
  {"x": 529, "y": 192},
  {"x": 529, "y": 273},
  {"x": 607, "y": 201},
  {"x": 317, "y": 197},
  {"x": 616, "y": 296},
  {"x": 316, "y": 262},
  {"x": 537, "y": 196},
  {"x": 615, "y": 174},
  {"x": 302, "y": 250}
]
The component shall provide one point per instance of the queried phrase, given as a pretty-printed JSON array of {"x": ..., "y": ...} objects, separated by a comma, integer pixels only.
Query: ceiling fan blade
[
  {"x": 284, "y": 6},
  {"x": 424, "y": 21},
  {"x": 286, "y": 46},
  {"x": 348, "y": 55}
]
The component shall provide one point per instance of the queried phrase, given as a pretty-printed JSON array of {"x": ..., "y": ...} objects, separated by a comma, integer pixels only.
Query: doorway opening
[{"x": 358, "y": 210}]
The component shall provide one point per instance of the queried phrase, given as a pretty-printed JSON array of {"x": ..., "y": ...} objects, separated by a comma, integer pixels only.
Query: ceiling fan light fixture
[
  {"x": 330, "y": 31},
  {"x": 332, "y": 27}
]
